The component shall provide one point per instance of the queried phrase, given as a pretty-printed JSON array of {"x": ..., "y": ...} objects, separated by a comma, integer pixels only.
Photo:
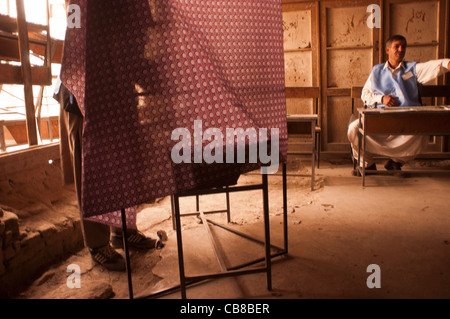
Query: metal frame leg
[
  {"x": 227, "y": 194},
  {"x": 267, "y": 232},
  {"x": 127, "y": 253},
  {"x": 236, "y": 270},
  {"x": 180, "y": 247}
]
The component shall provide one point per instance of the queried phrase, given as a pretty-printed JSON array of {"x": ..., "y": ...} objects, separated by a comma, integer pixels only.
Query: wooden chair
[
  {"x": 355, "y": 94},
  {"x": 434, "y": 91},
  {"x": 313, "y": 93}
]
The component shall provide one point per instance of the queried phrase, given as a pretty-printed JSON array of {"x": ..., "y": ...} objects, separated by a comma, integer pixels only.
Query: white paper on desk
[{"x": 398, "y": 109}]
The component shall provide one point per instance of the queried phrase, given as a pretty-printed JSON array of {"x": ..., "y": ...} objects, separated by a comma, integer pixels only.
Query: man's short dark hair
[{"x": 393, "y": 38}]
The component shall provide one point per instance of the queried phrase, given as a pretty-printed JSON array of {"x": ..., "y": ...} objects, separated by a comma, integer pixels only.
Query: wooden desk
[
  {"x": 312, "y": 119},
  {"x": 419, "y": 120}
]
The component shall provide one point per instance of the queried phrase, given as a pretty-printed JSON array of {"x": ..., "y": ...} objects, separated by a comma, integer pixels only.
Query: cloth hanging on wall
[{"x": 141, "y": 70}]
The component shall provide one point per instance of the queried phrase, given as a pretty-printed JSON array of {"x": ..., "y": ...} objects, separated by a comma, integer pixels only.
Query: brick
[
  {"x": 9, "y": 252},
  {"x": 16, "y": 246},
  {"x": 30, "y": 257},
  {"x": 2, "y": 266},
  {"x": 47, "y": 231},
  {"x": 73, "y": 237},
  {"x": 2, "y": 228},
  {"x": 7, "y": 239},
  {"x": 11, "y": 222},
  {"x": 32, "y": 239}
]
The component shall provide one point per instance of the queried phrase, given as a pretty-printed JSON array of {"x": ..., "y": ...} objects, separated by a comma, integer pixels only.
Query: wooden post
[{"x": 26, "y": 73}]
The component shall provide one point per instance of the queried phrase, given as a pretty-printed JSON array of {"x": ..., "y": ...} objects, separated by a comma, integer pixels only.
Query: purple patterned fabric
[{"x": 141, "y": 69}]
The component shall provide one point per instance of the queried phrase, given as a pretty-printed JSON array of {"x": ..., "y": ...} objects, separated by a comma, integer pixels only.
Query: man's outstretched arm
[{"x": 427, "y": 71}]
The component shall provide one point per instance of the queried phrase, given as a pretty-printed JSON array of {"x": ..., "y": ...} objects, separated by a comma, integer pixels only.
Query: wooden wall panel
[
  {"x": 298, "y": 68},
  {"x": 347, "y": 68},
  {"x": 297, "y": 29},
  {"x": 349, "y": 50},
  {"x": 346, "y": 26},
  {"x": 417, "y": 21},
  {"x": 298, "y": 32}
]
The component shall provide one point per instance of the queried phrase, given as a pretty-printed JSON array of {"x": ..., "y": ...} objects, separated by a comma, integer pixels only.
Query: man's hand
[{"x": 389, "y": 100}]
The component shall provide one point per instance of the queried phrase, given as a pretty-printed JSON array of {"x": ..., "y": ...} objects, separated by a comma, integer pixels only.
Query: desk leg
[{"x": 358, "y": 163}]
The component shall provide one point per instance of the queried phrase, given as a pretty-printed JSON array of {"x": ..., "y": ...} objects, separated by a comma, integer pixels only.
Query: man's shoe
[
  {"x": 390, "y": 165},
  {"x": 136, "y": 240},
  {"x": 108, "y": 258}
]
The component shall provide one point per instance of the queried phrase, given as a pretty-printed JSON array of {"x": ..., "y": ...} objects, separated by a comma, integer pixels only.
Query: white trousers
[{"x": 399, "y": 148}]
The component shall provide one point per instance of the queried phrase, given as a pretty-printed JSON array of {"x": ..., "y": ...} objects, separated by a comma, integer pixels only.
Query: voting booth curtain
[{"x": 157, "y": 74}]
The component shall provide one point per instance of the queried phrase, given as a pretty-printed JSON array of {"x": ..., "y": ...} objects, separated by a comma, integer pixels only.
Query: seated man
[{"x": 391, "y": 84}]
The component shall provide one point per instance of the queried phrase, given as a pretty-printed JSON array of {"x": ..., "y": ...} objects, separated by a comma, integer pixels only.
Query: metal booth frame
[{"x": 237, "y": 270}]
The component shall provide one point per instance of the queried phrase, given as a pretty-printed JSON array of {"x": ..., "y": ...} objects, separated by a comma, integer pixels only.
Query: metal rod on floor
[
  {"x": 127, "y": 253},
  {"x": 246, "y": 236},
  {"x": 219, "y": 258}
]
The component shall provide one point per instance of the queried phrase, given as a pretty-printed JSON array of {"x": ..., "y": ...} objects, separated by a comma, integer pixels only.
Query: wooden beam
[
  {"x": 9, "y": 24},
  {"x": 9, "y": 50},
  {"x": 303, "y": 92},
  {"x": 12, "y": 74},
  {"x": 26, "y": 73}
]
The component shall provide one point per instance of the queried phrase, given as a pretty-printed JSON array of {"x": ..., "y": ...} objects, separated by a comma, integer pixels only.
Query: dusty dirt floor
[{"x": 335, "y": 232}]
